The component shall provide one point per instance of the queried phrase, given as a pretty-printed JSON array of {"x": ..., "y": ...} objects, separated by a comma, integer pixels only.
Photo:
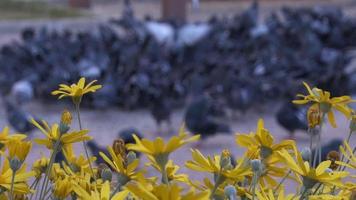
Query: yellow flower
[
  {"x": 128, "y": 172},
  {"x": 171, "y": 170},
  {"x": 270, "y": 171},
  {"x": 327, "y": 197},
  {"x": 310, "y": 175},
  {"x": 18, "y": 149},
  {"x": 40, "y": 166},
  {"x": 53, "y": 134},
  {"x": 77, "y": 164},
  {"x": 5, "y": 137},
  {"x": 164, "y": 192},
  {"x": 158, "y": 150},
  {"x": 325, "y": 103},
  {"x": 103, "y": 194},
  {"x": 62, "y": 188},
  {"x": 261, "y": 143},
  {"x": 203, "y": 164},
  {"x": 76, "y": 91},
  {"x": 21, "y": 178},
  {"x": 269, "y": 195},
  {"x": 349, "y": 155}
]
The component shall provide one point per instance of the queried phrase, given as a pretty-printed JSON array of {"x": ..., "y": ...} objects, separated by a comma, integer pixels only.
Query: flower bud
[
  {"x": 314, "y": 116},
  {"x": 66, "y": 120},
  {"x": 352, "y": 125},
  {"x": 131, "y": 156},
  {"x": 333, "y": 156},
  {"x": 230, "y": 192},
  {"x": 119, "y": 148},
  {"x": 15, "y": 164},
  {"x": 225, "y": 159},
  {"x": 101, "y": 168},
  {"x": 306, "y": 154},
  {"x": 106, "y": 174},
  {"x": 256, "y": 165}
]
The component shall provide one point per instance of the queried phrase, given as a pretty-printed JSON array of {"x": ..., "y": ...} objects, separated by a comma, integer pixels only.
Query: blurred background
[{"x": 216, "y": 66}]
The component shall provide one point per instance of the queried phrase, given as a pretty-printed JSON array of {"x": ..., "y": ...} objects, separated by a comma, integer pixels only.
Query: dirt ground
[{"x": 105, "y": 124}]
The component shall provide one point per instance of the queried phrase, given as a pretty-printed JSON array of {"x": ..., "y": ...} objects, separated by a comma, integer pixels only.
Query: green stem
[
  {"x": 165, "y": 179},
  {"x": 303, "y": 194},
  {"x": 50, "y": 164},
  {"x": 77, "y": 108},
  {"x": 310, "y": 147},
  {"x": 217, "y": 184},
  {"x": 12, "y": 185},
  {"x": 36, "y": 183},
  {"x": 117, "y": 189},
  {"x": 283, "y": 179},
  {"x": 317, "y": 188},
  {"x": 317, "y": 152},
  {"x": 347, "y": 141}
]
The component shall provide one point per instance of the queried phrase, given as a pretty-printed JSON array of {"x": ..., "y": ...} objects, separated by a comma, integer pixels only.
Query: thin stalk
[
  {"x": 165, "y": 179},
  {"x": 254, "y": 182},
  {"x": 283, "y": 179},
  {"x": 317, "y": 152},
  {"x": 117, "y": 189},
  {"x": 77, "y": 108},
  {"x": 348, "y": 161},
  {"x": 217, "y": 184},
  {"x": 12, "y": 185},
  {"x": 348, "y": 140},
  {"x": 310, "y": 146},
  {"x": 50, "y": 164},
  {"x": 303, "y": 194},
  {"x": 317, "y": 188},
  {"x": 37, "y": 181}
]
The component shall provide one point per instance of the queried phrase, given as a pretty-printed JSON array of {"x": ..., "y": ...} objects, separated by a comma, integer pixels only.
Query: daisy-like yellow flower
[
  {"x": 164, "y": 192},
  {"x": 160, "y": 151},
  {"x": 102, "y": 194},
  {"x": 76, "y": 91},
  {"x": 62, "y": 188},
  {"x": 213, "y": 165},
  {"x": 40, "y": 166},
  {"x": 269, "y": 195},
  {"x": 127, "y": 171},
  {"x": 327, "y": 197},
  {"x": 5, "y": 137},
  {"x": 171, "y": 170},
  {"x": 53, "y": 135},
  {"x": 311, "y": 176},
  {"x": 77, "y": 164},
  {"x": 18, "y": 149},
  {"x": 326, "y": 104},
  {"x": 21, "y": 178},
  {"x": 261, "y": 143},
  {"x": 349, "y": 155}
]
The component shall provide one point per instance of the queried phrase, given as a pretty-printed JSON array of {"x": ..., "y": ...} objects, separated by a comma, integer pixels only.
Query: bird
[
  {"x": 161, "y": 110},
  {"x": 200, "y": 118},
  {"x": 19, "y": 119},
  {"x": 292, "y": 118}
]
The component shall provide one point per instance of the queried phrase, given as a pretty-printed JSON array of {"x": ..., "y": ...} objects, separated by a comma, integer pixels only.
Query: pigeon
[
  {"x": 292, "y": 118},
  {"x": 19, "y": 119},
  {"x": 200, "y": 119}
]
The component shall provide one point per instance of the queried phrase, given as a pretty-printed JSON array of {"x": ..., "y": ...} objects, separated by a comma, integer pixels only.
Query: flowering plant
[{"x": 261, "y": 173}]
